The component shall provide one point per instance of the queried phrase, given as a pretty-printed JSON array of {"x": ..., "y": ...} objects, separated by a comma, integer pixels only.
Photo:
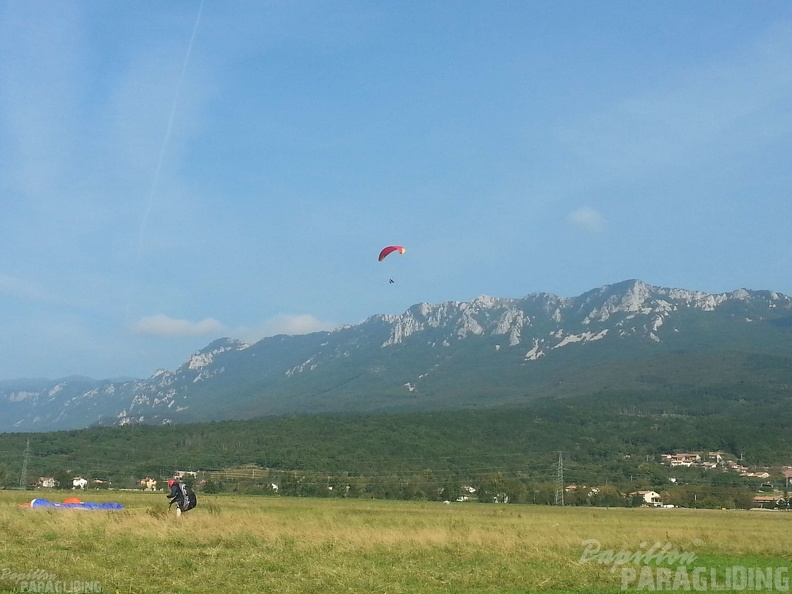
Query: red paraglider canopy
[{"x": 389, "y": 250}]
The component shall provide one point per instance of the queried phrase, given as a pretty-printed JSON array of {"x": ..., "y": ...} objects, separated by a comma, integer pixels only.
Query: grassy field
[{"x": 289, "y": 545}]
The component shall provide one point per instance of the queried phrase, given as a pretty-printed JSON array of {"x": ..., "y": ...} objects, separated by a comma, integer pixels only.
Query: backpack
[{"x": 189, "y": 500}]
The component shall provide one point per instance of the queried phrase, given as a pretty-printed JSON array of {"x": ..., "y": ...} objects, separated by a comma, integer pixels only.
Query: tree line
[{"x": 610, "y": 441}]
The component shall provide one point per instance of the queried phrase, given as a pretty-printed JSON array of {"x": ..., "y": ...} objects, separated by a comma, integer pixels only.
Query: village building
[
  {"x": 769, "y": 501},
  {"x": 650, "y": 498}
]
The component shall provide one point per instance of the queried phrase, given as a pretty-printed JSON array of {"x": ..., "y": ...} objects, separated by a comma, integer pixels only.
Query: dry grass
[{"x": 255, "y": 544}]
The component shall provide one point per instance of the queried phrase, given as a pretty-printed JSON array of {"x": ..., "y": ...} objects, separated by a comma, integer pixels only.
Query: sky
[{"x": 173, "y": 172}]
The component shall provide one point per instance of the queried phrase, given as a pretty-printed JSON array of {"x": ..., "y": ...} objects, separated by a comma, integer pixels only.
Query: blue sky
[{"x": 174, "y": 172}]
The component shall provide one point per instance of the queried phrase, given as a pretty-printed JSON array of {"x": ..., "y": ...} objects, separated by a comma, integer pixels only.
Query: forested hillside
[{"x": 607, "y": 438}]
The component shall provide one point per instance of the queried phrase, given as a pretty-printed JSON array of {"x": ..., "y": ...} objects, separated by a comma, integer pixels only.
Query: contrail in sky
[
  {"x": 165, "y": 140},
  {"x": 152, "y": 193}
]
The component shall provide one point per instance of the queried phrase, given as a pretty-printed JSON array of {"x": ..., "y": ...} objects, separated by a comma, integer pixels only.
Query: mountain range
[{"x": 629, "y": 337}]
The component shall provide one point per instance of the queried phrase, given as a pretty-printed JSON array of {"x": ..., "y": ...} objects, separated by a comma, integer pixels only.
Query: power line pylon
[{"x": 559, "y": 494}]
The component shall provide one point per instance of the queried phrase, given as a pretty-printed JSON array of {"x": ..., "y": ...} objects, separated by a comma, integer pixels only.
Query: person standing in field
[{"x": 182, "y": 495}]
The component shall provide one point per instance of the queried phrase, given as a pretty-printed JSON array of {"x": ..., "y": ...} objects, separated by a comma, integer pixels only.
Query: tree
[
  {"x": 544, "y": 494},
  {"x": 450, "y": 490},
  {"x": 212, "y": 487},
  {"x": 63, "y": 479},
  {"x": 608, "y": 496}
]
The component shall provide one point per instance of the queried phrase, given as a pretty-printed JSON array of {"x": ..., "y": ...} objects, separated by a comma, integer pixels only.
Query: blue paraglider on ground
[{"x": 73, "y": 503}]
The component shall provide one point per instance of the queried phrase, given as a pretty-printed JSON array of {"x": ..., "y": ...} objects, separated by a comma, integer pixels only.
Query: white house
[
  {"x": 468, "y": 493},
  {"x": 650, "y": 498},
  {"x": 148, "y": 484}
]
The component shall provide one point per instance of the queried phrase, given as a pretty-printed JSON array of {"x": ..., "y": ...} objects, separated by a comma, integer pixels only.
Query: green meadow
[{"x": 235, "y": 543}]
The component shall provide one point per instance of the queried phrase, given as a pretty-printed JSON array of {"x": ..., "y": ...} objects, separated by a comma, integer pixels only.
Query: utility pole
[
  {"x": 25, "y": 458},
  {"x": 559, "y": 494}
]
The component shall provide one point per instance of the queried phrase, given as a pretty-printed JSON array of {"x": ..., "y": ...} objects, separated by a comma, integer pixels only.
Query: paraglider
[
  {"x": 386, "y": 251},
  {"x": 71, "y": 503}
]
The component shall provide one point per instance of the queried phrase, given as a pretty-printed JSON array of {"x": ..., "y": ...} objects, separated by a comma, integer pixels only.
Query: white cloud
[
  {"x": 587, "y": 219},
  {"x": 285, "y": 324},
  {"x": 162, "y": 325}
]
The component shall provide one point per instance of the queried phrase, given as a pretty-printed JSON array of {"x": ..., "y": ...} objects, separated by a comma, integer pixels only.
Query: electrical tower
[
  {"x": 23, "y": 477},
  {"x": 559, "y": 494}
]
